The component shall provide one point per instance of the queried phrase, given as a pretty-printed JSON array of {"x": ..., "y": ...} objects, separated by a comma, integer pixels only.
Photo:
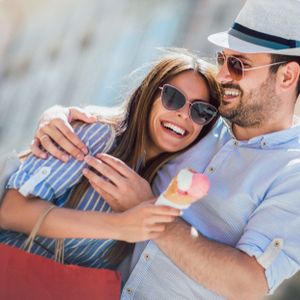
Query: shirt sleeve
[
  {"x": 272, "y": 233},
  {"x": 61, "y": 176}
]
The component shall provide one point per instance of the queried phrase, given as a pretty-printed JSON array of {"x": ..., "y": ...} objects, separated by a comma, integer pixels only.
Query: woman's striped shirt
[{"x": 57, "y": 188}]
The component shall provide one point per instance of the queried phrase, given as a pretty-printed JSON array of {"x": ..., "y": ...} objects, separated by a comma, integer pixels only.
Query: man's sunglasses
[
  {"x": 200, "y": 111},
  {"x": 236, "y": 67}
]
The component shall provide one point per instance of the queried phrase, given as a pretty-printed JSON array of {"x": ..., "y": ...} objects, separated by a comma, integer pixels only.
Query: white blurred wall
[{"x": 77, "y": 52}]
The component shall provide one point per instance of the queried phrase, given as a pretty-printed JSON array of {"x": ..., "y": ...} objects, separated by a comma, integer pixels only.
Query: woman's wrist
[{"x": 114, "y": 225}]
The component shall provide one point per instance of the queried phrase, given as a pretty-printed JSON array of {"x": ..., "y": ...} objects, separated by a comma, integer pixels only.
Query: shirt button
[
  {"x": 147, "y": 256},
  {"x": 278, "y": 243},
  {"x": 263, "y": 144},
  {"x": 45, "y": 171},
  {"x": 235, "y": 143},
  {"x": 211, "y": 169},
  {"x": 129, "y": 291}
]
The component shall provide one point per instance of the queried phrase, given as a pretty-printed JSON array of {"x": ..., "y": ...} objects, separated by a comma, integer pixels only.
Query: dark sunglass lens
[
  {"x": 235, "y": 67},
  {"x": 202, "y": 113},
  {"x": 171, "y": 98}
]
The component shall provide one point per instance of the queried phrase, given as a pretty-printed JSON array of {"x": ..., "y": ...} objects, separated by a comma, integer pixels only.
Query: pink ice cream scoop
[
  {"x": 187, "y": 187},
  {"x": 199, "y": 185}
]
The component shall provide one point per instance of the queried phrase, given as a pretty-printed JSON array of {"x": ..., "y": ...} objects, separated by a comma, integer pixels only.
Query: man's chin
[
  {"x": 227, "y": 112},
  {"x": 226, "y": 107}
]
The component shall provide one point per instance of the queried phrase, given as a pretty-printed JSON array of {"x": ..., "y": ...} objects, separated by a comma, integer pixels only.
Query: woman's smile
[{"x": 174, "y": 129}]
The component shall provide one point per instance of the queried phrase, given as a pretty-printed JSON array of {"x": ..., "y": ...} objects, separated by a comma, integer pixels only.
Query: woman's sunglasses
[
  {"x": 200, "y": 111},
  {"x": 236, "y": 67}
]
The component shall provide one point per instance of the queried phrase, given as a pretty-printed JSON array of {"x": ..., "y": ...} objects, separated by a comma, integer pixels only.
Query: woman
[{"x": 173, "y": 107}]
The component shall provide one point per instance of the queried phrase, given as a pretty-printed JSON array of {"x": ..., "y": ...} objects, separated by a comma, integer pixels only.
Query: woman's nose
[{"x": 184, "y": 111}]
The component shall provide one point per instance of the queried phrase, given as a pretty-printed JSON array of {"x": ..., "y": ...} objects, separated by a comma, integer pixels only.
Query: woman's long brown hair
[{"x": 132, "y": 124}]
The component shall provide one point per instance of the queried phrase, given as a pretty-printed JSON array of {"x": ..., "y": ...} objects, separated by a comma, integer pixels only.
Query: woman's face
[{"x": 171, "y": 131}]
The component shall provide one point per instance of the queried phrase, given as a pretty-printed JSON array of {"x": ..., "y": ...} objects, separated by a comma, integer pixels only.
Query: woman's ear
[{"x": 289, "y": 75}]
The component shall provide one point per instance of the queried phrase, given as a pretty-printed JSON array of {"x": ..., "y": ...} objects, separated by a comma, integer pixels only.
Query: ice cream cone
[{"x": 185, "y": 188}]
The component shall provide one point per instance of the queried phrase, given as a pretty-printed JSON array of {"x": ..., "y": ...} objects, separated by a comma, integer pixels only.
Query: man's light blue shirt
[{"x": 253, "y": 205}]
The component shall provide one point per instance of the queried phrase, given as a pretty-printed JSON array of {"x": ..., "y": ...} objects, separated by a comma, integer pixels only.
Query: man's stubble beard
[{"x": 253, "y": 109}]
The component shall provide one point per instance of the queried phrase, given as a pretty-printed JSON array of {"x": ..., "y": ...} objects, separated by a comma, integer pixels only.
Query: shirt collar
[{"x": 271, "y": 139}]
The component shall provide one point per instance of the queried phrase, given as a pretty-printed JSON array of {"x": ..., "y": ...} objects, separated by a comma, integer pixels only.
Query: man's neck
[{"x": 246, "y": 133}]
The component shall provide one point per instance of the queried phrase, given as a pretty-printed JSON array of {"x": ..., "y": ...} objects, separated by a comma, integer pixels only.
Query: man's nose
[{"x": 223, "y": 74}]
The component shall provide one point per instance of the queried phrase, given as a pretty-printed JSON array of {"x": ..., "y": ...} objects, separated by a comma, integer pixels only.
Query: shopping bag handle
[{"x": 59, "y": 244}]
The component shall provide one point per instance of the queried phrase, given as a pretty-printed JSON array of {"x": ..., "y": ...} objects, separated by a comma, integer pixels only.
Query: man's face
[{"x": 252, "y": 100}]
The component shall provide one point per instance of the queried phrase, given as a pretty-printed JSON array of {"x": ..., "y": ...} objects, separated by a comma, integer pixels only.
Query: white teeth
[
  {"x": 174, "y": 128},
  {"x": 231, "y": 92}
]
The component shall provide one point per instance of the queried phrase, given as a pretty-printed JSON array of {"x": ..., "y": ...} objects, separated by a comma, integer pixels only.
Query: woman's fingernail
[
  {"x": 44, "y": 156},
  {"x": 85, "y": 150},
  {"x": 79, "y": 156},
  {"x": 84, "y": 171},
  {"x": 65, "y": 158},
  {"x": 87, "y": 158}
]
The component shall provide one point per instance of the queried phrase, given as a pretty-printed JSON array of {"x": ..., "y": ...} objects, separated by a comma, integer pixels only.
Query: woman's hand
[
  {"x": 146, "y": 221},
  {"x": 123, "y": 188},
  {"x": 54, "y": 126}
]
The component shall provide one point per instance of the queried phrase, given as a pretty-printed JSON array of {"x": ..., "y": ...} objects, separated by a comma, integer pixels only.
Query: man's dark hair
[{"x": 287, "y": 58}]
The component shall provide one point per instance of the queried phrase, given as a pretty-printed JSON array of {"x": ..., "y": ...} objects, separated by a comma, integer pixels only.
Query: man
[{"x": 248, "y": 225}]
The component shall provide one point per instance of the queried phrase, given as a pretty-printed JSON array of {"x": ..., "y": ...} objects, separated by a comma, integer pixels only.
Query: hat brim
[{"x": 225, "y": 40}]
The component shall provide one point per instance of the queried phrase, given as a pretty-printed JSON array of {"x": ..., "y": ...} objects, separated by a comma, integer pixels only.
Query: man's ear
[{"x": 288, "y": 75}]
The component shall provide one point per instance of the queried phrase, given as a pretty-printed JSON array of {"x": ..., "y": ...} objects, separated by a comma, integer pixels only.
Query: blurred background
[{"x": 78, "y": 52}]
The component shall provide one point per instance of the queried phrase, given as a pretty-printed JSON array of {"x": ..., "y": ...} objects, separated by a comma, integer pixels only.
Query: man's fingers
[
  {"x": 103, "y": 193},
  {"x": 100, "y": 183},
  {"x": 106, "y": 170},
  {"x": 63, "y": 134},
  {"x": 52, "y": 149},
  {"x": 113, "y": 203},
  {"x": 117, "y": 164},
  {"x": 36, "y": 150},
  {"x": 76, "y": 113},
  {"x": 66, "y": 139},
  {"x": 54, "y": 123},
  {"x": 104, "y": 188},
  {"x": 78, "y": 147}
]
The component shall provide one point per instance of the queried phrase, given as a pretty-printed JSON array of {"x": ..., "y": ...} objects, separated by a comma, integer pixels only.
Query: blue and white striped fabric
[{"x": 57, "y": 188}]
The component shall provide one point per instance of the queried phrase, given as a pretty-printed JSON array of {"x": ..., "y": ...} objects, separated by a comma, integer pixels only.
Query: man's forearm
[{"x": 225, "y": 270}]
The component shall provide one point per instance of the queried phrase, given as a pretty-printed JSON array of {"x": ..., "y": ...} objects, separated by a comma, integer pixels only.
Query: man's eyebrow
[{"x": 240, "y": 56}]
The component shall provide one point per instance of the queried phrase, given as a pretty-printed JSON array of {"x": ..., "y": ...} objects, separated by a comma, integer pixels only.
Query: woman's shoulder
[{"x": 93, "y": 128}]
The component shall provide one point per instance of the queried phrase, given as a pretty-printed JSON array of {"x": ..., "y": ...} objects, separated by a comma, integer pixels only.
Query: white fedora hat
[{"x": 264, "y": 26}]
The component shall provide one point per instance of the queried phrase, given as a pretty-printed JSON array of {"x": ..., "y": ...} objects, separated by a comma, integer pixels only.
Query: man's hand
[
  {"x": 123, "y": 188},
  {"x": 54, "y": 129}
]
